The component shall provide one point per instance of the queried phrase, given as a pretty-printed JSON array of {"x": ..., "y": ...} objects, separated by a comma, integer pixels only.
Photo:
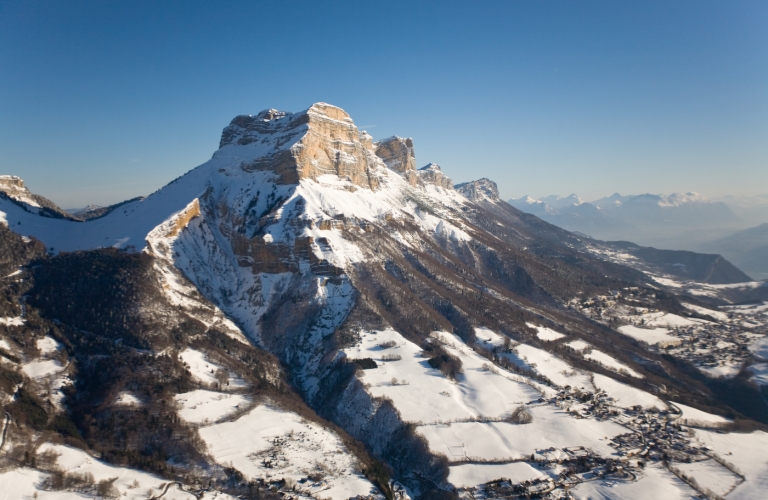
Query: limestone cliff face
[
  {"x": 321, "y": 140},
  {"x": 14, "y": 186},
  {"x": 15, "y": 189},
  {"x": 397, "y": 153},
  {"x": 433, "y": 174},
  {"x": 479, "y": 190}
]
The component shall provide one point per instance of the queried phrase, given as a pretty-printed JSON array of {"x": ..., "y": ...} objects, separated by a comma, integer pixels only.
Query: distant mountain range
[{"x": 678, "y": 221}]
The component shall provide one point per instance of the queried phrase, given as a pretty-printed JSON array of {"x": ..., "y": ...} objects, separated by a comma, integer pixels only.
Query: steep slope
[
  {"x": 113, "y": 356},
  {"x": 703, "y": 268}
]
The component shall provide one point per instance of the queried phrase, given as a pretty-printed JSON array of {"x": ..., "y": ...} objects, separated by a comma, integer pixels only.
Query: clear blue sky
[{"x": 102, "y": 101}]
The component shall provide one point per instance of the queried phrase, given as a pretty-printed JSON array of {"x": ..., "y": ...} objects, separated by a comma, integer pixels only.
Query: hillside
[{"x": 748, "y": 249}]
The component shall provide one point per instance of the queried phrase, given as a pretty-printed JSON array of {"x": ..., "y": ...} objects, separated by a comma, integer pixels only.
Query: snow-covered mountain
[{"x": 457, "y": 338}]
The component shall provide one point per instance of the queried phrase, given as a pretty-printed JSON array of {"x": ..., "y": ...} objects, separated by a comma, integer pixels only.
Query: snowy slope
[{"x": 272, "y": 444}]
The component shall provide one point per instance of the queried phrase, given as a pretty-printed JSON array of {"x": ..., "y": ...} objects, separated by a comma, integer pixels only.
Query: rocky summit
[{"x": 309, "y": 315}]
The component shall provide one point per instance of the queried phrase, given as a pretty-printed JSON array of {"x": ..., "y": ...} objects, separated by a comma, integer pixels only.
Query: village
[
  {"x": 716, "y": 341},
  {"x": 654, "y": 438}
]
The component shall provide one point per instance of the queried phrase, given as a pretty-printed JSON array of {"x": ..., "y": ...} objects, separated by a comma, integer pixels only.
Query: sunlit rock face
[
  {"x": 433, "y": 174},
  {"x": 321, "y": 140},
  {"x": 481, "y": 189},
  {"x": 398, "y": 155},
  {"x": 13, "y": 186}
]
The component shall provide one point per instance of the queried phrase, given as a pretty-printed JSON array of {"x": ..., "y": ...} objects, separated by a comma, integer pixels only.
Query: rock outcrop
[
  {"x": 479, "y": 190},
  {"x": 433, "y": 174},
  {"x": 14, "y": 188},
  {"x": 321, "y": 140},
  {"x": 398, "y": 155}
]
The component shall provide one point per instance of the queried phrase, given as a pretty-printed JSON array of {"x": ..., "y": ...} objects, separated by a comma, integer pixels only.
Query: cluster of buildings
[{"x": 653, "y": 436}]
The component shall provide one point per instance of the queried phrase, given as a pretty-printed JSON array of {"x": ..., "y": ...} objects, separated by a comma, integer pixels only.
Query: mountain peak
[
  {"x": 14, "y": 187},
  {"x": 479, "y": 190},
  {"x": 320, "y": 140},
  {"x": 431, "y": 173}
]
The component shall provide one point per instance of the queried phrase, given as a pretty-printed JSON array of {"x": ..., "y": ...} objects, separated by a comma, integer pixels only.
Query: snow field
[
  {"x": 127, "y": 399},
  {"x": 656, "y": 483},
  {"x": 718, "y": 315},
  {"x": 562, "y": 374},
  {"x": 205, "y": 371},
  {"x": 545, "y": 333},
  {"x": 472, "y": 475},
  {"x": 273, "y": 444},
  {"x": 710, "y": 474},
  {"x": 423, "y": 394},
  {"x": 201, "y": 406},
  {"x": 747, "y": 453},
  {"x": 692, "y": 416},
  {"x": 17, "y": 321},
  {"x": 650, "y": 336},
  {"x": 726, "y": 370},
  {"x": 665, "y": 281},
  {"x": 539, "y": 360},
  {"x": 41, "y": 369},
  {"x": 669, "y": 320},
  {"x": 611, "y": 363},
  {"x": 23, "y": 483},
  {"x": 551, "y": 428},
  {"x": 578, "y": 345},
  {"x": 47, "y": 346},
  {"x": 552, "y": 367},
  {"x": 626, "y": 396}
]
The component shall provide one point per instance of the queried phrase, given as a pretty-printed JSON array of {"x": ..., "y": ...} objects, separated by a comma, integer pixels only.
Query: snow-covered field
[
  {"x": 17, "y": 321},
  {"x": 655, "y": 483},
  {"x": 127, "y": 399},
  {"x": 273, "y": 444},
  {"x": 626, "y": 396},
  {"x": 205, "y": 371},
  {"x": 472, "y": 475},
  {"x": 545, "y": 333},
  {"x": 552, "y": 367},
  {"x": 693, "y": 416},
  {"x": 40, "y": 369},
  {"x": 578, "y": 345},
  {"x": 600, "y": 357},
  {"x": 747, "y": 452},
  {"x": 711, "y": 475},
  {"x": 48, "y": 346},
  {"x": 423, "y": 394},
  {"x": 551, "y": 427},
  {"x": 26, "y": 484},
  {"x": 650, "y": 336},
  {"x": 610, "y": 362},
  {"x": 201, "y": 406},
  {"x": 718, "y": 315},
  {"x": 668, "y": 320}
]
